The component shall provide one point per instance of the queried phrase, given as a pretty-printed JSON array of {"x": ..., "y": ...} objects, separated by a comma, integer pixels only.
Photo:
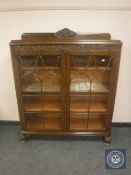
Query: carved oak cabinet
[{"x": 66, "y": 83}]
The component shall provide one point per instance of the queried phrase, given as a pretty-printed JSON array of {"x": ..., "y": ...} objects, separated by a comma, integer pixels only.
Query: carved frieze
[{"x": 75, "y": 47}]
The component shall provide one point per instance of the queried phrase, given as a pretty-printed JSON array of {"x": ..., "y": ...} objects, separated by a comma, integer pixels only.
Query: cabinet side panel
[
  {"x": 15, "y": 67},
  {"x": 114, "y": 82}
]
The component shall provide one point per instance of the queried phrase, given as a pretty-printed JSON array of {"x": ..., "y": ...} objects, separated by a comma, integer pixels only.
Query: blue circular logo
[{"x": 115, "y": 159}]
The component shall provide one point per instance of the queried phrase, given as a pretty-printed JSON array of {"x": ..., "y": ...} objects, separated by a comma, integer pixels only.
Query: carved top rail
[
  {"x": 66, "y": 39},
  {"x": 66, "y": 34}
]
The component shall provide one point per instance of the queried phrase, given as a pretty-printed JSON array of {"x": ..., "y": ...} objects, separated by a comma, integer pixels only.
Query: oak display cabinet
[{"x": 66, "y": 83}]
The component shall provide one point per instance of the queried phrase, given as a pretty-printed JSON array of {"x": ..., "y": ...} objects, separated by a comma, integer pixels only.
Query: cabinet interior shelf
[
  {"x": 102, "y": 68},
  {"x": 75, "y": 107},
  {"x": 94, "y": 107},
  {"x": 43, "y": 122},
  {"x": 88, "y": 87},
  {"x": 24, "y": 68},
  {"x": 74, "y": 87},
  {"x": 47, "y": 121},
  {"x": 46, "y": 87},
  {"x": 39, "y": 107},
  {"x": 88, "y": 124}
]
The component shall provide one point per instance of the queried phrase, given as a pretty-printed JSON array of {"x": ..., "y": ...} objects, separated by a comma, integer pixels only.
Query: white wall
[
  {"x": 117, "y": 23},
  {"x": 6, "y": 5}
]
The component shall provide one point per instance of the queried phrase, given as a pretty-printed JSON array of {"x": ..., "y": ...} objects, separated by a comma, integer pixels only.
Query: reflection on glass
[
  {"x": 90, "y": 73},
  {"x": 41, "y": 73}
]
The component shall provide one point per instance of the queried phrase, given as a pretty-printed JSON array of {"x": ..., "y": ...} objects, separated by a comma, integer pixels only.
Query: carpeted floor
[{"x": 59, "y": 156}]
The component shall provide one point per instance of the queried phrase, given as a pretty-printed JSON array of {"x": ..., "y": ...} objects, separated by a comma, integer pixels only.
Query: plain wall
[
  {"x": 6, "y": 5},
  {"x": 13, "y": 24}
]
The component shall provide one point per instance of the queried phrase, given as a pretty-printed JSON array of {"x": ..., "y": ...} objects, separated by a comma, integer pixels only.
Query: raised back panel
[{"x": 66, "y": 34}]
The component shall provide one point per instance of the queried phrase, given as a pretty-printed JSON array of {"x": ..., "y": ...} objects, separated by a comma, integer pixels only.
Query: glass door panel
[
  {"x": 30, "y": 79},
  {"x": 53, "y": 121},
  {"x": 79, "y": 103},
  {"x": 89, "y": 88},
  {"x": 44, "y": 121},
  {"x": 97, "y": 121},
  {"x": 32, "y": 103},
  {"x": 33, "y": 121},
  {"x": 41, "y": 73},
  {"x": 90, "y": 73},
  {"x": 78, "y": 121},
  {"x": 91, "y": 61},
  {"x": 52, "y": 103},
  {"x": 86, "y": 121},
  {"x": 89, "y": 80},
  {"x": 99, "y": 103},
  {"x": 52, "y": 91},
  {"x": 52, "y": 75},
  {"x": 42, "y": 87}
]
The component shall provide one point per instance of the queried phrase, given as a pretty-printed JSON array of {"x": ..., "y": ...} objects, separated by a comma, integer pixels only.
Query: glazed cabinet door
[
  {"x": 42, "y": 80},
  {"x": 89, "y": 87}
]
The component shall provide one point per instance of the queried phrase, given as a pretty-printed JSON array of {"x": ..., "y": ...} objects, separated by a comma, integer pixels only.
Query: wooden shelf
[
  {"x": 40, "y": 68},
  {"x": 78, "y": 123},
  {"x": 102, "y": 68},
  {"x": 96, "y": 124},
  {"x": 46, "y": 107},
  {"x": 34, "y": 122},
  {"x": 82, "y": 107},
  {"x": 52, "y": 123},
  {"x": 88, "y": 87},
  {"x": 42, "y": 103},
  {"x": 87, "y": 124},
  {"x": 39, "y": 121},
  {"x": 56, "y": 87},
  {"x": 52, "y": 107},
  {"x": 46, "y": 87},
  {"x": 32, "y": 106}
]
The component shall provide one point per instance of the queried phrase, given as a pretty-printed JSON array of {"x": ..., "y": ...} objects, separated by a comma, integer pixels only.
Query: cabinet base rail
[{"x": 106, "y": 136}]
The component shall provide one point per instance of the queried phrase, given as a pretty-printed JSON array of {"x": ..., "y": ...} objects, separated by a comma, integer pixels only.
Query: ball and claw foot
[{"x": 107, "y": 139}]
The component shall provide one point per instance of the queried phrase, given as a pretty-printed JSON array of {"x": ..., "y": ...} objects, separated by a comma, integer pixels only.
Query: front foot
[
  {"x": 23, "y": 138},
  {"x": 107, "y": 139}
]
